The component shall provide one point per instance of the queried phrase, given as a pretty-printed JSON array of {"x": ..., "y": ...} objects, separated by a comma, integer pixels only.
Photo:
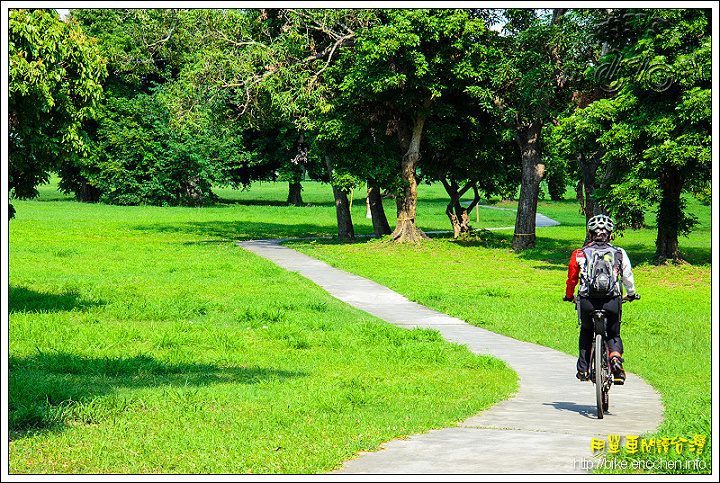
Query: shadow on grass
[
  {"x": 550, "y": 249},
  {"x": 232, "y": 202},
  {"x": 240, "y": 230},
  {"x": 554, "y": 252},
  {"x": 558, "y": 252},
  {"x": 49, "y": 389},
  {"x": 21, "y": 299},
  {"x": 697, "y": 256}
]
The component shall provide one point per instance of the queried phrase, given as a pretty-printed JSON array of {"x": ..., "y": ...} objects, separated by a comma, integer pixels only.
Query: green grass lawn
[{"x": 143, "y": 340}]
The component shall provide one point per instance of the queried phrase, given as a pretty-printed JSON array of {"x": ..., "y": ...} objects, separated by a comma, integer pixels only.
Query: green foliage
[
  {"x": 143, "y": 150},
  {"x": 559, "y": 173},
  {"x": 628, "y": 202},
  {"x": 281, "y": 151},
  {"x": 244, "y": 71},
  {"x": 139, "y": 157},
  {"x": 703, "y": 193},
  {"x": 524, "y": 70},
  {"x": 653, "y": 131},
  {"x": 465, "y": 139},
  {"x": 55, "y": 77},
  {"x": 242, "y": 86},
  {"x": 406, "y": 65},
  {"x": 345, "y": 181},
  {"x": 143, "y": 46}
]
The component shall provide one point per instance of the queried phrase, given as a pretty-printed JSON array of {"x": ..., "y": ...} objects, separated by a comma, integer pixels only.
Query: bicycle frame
[
  {"x": 600, "y": 353},
  {"x": 599, "y": 358},
  {"x": 600, "y": 362}
]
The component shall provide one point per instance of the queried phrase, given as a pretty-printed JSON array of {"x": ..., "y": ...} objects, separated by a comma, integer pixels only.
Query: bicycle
[{"x": 600, "y": 372}]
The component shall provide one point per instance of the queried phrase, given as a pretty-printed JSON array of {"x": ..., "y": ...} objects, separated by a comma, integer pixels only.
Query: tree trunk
[
  {"x": 589, "y": 168},
  {"x": 669, "y": 218},
  {"x": 342, "y": 209},
  {"x": 193, "y": 193},
  {"x": 533, "y": 170},
  {"x": 459, "y": 215},
  {"x": 295, "y": 194},
  {"x": 299, "y": 161},
  {"x": 406, "y": 230},
  {"x": 87, "y": 193},
  {"x": 579, "y": 195},
  {"x": 381, "y": 227}
]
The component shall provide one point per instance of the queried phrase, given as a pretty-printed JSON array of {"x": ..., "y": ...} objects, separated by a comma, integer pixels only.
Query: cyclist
[{"x": 599, "y": 231}]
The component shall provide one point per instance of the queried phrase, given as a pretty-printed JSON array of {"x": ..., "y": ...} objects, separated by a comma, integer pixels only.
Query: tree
[
  {"x": 55, "y": 78},
  {"x": 528, "y": 85},
  {"x": 139, "y": 156},
  {"x": 391, "y": 67},
  {"x": 260, "y": 69},
  {"x": 355, "y": 149},
  {"x": 283, "y": 152},
  {"x": 398, "y": 74},
  {"x": 395, "y": 65},
  {"x": 466, "y": 151},
  {"x": 655, "y": 132},
  {"x": 568, "y": 146},
  {"x": 140, "y": 153},
  {"x": 143, "y": 151},
  {"x": 342, "y": 135},
  {"x": 142, "y": 46}
]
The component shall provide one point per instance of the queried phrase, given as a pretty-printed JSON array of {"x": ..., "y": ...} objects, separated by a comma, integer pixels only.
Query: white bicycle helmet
[{"x": 601, "y": 221}]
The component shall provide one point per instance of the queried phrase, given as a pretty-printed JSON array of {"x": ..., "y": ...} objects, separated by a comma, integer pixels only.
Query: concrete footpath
[{"x": 546, "y": 428}]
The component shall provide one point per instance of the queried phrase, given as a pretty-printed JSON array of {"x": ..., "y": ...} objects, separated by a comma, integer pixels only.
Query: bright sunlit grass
[{"x": 144, "y": 340}]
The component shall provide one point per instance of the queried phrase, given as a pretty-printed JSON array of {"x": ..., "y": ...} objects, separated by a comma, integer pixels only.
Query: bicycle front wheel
[{"x": 599, "y": 375}]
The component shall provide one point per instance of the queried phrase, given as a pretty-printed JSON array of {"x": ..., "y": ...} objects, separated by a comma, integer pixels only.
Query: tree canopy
[
  {"x": 55, "y": 81},
  {"x": 653, "y": 133}
]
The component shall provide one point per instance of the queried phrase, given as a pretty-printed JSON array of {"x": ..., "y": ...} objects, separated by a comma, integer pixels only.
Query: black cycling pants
[{"x": 613, "y": 308}]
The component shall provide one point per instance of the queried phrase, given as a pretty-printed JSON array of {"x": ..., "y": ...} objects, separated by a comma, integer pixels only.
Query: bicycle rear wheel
[
  {"x": 607, "y": 379},
  {"x": 599, "y": 375}
]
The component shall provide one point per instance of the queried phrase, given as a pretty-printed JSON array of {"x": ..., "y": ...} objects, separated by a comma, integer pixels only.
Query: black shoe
[
  {"x": 618, "y": 372},
  {"x": 583, "y": 376}
]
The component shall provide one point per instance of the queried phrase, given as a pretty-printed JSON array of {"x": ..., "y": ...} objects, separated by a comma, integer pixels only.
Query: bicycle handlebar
[{"x": 628, "y": 298}]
